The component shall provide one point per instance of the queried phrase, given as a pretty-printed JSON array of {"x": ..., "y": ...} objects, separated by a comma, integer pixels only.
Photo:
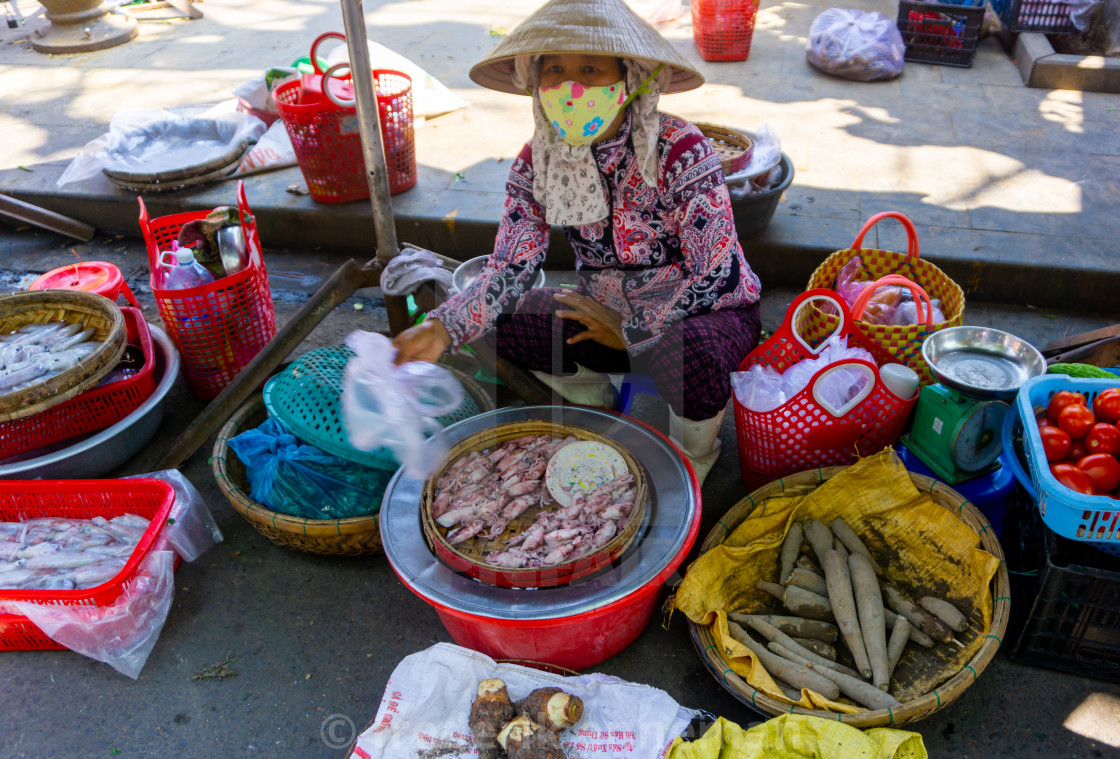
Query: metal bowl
[
  {"x": 468, "y": 272},
  {"x": 981, "y": 362},
  {"x": 104, "y": 451}
]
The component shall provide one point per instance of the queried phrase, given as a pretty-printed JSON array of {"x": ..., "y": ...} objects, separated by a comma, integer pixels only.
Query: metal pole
[{"x": 369, "y": 124}]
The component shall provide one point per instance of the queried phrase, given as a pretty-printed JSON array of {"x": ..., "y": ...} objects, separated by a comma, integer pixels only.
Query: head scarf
[{"x": 566, "y": 179}]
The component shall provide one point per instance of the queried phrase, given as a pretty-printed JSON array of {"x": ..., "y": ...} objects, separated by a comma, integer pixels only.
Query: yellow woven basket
[{"x": 904, "y": 342}]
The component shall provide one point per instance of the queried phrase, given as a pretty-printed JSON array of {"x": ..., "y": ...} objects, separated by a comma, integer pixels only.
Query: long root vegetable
[
  {"x": 819, "y": 537},
  {"x": 793, "y": 694},
  {"x": 944, "y": 611},
  {"x": 818, "y": 647},
  {"x": 844, "y": 532},
  {"x": 552, "y": 708},
  {"x": 803, "y": 578},
  {"x": 490, "y": 712},
  {"x": 839, "y": 548},
  {"x": 916, "y": 635},
  {"x": 793, "y": 673},
  {"x": 844, "y": 608},
  {"x": 919, "y": 617},
  {"x": 797, "y": 627},
  {"x": 773, "y": 588},
  {"x": 857, "y": 690},
  {"x": 791, "y": 549},
  {"x": 772, "y": 633},
  {"x": 869, "y": 604},
  {"x": 807, "y": 604},
  {"x": 897, "y": 644},
  {"x": 524, "y": 739}
]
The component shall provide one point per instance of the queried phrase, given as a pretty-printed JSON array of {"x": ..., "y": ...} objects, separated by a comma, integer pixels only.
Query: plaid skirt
[{"x": 698, "y": 353}]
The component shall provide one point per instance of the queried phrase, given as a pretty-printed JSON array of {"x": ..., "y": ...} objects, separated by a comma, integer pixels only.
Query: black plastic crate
[
  {"x": 1065, "y": 598},
  {"x": 943, "y": 33},
  {"x": 1047, "y": 16}
]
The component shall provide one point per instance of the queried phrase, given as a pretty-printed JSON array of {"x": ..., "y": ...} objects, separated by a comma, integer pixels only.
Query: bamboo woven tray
[
  {"x": 733, "y": 147},
  {"x": 327, "y": 537},
  {"x": 468, "y": 556},
  {"x": 910, "y": 711},
  {"x": 91, "y": 310}
]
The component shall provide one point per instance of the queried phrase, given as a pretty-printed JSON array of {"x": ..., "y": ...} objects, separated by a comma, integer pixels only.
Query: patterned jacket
[{"x": 670, "y": 252}]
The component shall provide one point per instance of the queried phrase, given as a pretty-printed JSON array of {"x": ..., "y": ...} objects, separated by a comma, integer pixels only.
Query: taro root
[
  {"x": 525, "y": 739},
  {"x": 490, "y": 712},
  {"x": 552, "y": 708}
]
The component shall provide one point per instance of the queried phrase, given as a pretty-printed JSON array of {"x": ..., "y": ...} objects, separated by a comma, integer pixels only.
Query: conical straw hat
[{"x": 599, "y": 27}]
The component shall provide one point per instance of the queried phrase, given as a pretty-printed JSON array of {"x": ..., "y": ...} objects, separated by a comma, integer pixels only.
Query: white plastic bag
[
  {"x": 121, "y": 634},
  {"x": 274, "y": 148},
  {"x": 384, "y": 405},
  {"x": 428, "y": 699},
  {"x": 153, "y": 140},
  {"x": 1080, "y": 11},
  {"x": 764, "y": 170},
  {"x": 853, "y": 44},
  {"x": 766, "y": 390}
]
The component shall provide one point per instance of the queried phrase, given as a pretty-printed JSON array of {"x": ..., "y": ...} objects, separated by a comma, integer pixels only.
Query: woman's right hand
[{"x": 425, "y": 342}]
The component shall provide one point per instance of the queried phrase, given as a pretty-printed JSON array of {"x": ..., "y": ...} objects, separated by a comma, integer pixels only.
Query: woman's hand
[
  {"x": 603, "y": 325},
  {"x": 425, "y": 342}
]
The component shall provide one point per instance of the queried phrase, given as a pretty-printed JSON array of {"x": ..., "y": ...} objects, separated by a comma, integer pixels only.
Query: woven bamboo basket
[
  {"x": 733, "y": 147},
  {"x": 21, "y": 309},
  {"x": 327, "y": 537},
  {"x": 469, "y": 556},
  {"x": 910, "y": 711}
]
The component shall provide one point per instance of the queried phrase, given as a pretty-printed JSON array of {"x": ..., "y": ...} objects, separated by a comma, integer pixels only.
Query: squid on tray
[
  {"x": 37, "y": 352},
  {"x": 487, "y": 490}
]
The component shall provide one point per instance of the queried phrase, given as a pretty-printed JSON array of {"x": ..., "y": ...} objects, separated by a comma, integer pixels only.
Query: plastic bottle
[{"x": 187, "y": 272}]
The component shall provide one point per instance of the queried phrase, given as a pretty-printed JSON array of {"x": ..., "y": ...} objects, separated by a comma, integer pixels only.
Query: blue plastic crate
[
  {"x": 1092, "y": 519},
  {"x": 1046, "y": 16}
]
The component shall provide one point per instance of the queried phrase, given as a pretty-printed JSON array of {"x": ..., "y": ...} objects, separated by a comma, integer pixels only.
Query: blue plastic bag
[{"x": 291, "y": 477}]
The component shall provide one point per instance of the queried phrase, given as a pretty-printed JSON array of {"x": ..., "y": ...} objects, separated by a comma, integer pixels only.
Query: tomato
[
  {"x": 1077, "y": 451},
  {"x": 1076, "y": 419},
  {"x": 1073, "y": 478},
  {"x": 1107, "y": 405},
  {"x": 1103, "y": 438},
  {"x": 1061, "y": 399},
  {"x": 1056, "y": 443},
  {"x": 1103, "y": 469}
]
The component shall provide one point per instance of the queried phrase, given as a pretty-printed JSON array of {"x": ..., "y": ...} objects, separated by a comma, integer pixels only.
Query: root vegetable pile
[
  {"x": 845, "y": 600},
  {"x": 525, "y": 730},
  {"x": 486, "y": 490}
]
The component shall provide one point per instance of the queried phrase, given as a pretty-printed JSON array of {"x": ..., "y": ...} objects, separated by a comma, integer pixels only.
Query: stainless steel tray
[{"x": 672, "y": 509}]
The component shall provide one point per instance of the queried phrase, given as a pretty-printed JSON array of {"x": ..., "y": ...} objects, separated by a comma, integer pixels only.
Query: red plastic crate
[
  {"x": 723, "y": 29},
  {"x": 94, "y": 409},
  {"x": 219, "y": 327},
  {"x": 21, "y": 500}
]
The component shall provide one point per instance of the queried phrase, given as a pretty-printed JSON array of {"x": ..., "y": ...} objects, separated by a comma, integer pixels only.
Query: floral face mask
[{"x": 579, "y": 113}]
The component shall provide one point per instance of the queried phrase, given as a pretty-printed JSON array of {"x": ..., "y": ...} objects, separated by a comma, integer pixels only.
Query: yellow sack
[
  {"x": 923, "y": 548},
  {"x": 798, "y": 736}
]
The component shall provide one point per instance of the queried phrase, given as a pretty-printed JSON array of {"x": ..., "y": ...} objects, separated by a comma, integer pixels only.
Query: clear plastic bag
[
  {"x": 190, "y": 530},
  {"x": 854, "y": 44},
  {"x": 154, "y": 140},
  {"x": 764, "y": 171},
  {"x": 764, "y": 389},
  {"x": 294, "y": 478},
  {"x": 384, "y": 405},
  {"x": 907, "y": 312}
]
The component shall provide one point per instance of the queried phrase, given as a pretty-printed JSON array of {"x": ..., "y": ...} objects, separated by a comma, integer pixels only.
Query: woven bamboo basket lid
[
  {"x": 914, "y": 709},
  {"x": 88, "y": 309},
  {"x": 733, "y": 147},
  {"x": 469, "y": 556}
]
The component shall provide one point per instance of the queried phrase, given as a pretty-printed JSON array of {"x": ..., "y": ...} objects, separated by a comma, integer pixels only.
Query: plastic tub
[{"x": 754, "y": 213}]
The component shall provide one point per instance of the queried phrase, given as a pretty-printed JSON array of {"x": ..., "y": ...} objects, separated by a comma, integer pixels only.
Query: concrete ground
[
  {"x": 1013, "y": 189},
  {"x": 317, "y": 637}
]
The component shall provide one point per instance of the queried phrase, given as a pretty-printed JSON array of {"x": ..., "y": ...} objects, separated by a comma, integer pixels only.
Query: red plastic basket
[
  {"x": 804, "y": 433},
  {"x": 326, "y": 137},
  {"x": 78, "y": 499},
  {"x": 94, "y": 409},
  {"x": 218, "y": 327},
  {"x": 722, "y": 29}
]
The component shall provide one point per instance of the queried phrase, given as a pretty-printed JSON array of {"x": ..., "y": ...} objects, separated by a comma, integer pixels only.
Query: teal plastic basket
[{"x": 305, "y": 398}]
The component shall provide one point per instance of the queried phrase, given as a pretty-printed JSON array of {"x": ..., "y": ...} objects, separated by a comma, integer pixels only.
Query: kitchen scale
[{"x": 956, "y": 428}]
